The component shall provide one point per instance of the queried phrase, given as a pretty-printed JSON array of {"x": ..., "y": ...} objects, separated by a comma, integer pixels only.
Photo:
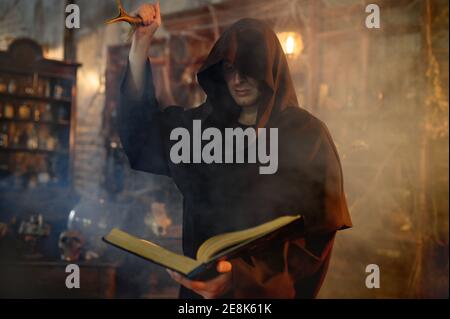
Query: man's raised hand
[{"x": 151, "y": 18}]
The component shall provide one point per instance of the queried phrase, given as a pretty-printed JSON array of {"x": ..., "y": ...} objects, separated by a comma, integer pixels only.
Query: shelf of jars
[
  {"x": 33, "y": 126},
  {"x": 36, "y": 86},
  {"x": 33, "y": 153},
  {"x": 36, "y": 107}
]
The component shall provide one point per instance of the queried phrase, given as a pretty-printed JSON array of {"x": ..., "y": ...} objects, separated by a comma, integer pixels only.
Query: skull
[{"x": 70, "y": 244}]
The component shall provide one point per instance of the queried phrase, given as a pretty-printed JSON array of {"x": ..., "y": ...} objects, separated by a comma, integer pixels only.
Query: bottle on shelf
[
  {"x": 41, "y": 87},
  {"x": 28, "y": 86},
  {"x": 46, "y": 140},
  {"x": 12, "y": 86},
  {"x": 4, "y": 136},
  {"x": 3, "y": 85},
  {"x": 52, "y": 143},
  {"x": 24, "y": 112},
  {"x": 47, "y": 88},
  {"x": 41, "y": 108},
  {"x": 43, "y": 175},
  {"x": 42, "y": 137},
  {"x": 33, "y": 140},
  {"x": 8, "y": 111},
  {"x": 36, "y": 113},
  {"x": 46, "y": 112},
  {"x": 12, "y": 132},
  {"x": 58, "y": 90}
]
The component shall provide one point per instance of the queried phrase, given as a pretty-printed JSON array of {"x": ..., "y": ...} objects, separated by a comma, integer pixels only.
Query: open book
[{"x": 223, "y": 246}]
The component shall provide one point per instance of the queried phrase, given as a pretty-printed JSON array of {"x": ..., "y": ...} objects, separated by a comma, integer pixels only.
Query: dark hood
[{"x": 253, "y": 47}]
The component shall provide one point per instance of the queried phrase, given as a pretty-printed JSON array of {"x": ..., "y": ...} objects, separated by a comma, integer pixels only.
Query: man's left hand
[{"x": 211, "y": 289}]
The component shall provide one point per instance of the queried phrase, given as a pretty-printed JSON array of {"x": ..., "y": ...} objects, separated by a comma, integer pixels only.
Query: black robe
[{"x": 219, "y": 198}]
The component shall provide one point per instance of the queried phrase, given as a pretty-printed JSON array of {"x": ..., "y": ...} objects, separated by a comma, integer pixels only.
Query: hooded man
[{"x": 248, "y": 85}]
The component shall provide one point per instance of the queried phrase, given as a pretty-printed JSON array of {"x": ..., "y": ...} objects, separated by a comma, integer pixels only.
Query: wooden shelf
[
  {"x": 53, "y": 123},
  {"x": 66, "y": 101},
  {"x": 43, "y": 68},
  {"x": 28, "y": 150}
]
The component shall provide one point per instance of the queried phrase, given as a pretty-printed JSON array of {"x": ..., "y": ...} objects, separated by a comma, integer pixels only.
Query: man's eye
[{"x": 228, "y": 67}]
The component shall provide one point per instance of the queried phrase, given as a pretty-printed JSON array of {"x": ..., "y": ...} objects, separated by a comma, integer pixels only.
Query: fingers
[
  {"x": 148, "y": 13},
  {"x": 224, "y": 266},
  {"x": 213, "y": 288},
  {"x": 158, "y": 14},
  {"x": 216, "y": 287},
  {"x": 190, "y": 284}
]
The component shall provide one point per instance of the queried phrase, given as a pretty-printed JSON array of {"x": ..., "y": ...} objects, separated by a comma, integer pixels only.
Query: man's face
[{"x": 244, "y": 90}]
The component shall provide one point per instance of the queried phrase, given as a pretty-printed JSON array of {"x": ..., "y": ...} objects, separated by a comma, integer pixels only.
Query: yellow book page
[
  {"x": 152, "y": 251},
  {"x": 220, "y": 242}
]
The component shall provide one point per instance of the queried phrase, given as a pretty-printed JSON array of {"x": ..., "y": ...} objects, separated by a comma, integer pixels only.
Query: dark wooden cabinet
[{"x": 37, "y": 117}]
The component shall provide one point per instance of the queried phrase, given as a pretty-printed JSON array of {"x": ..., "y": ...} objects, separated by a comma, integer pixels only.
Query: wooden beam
[
  {"x": 227, "y": 12},
  {"x": 70, "y": 51},
  {"x": 200, "y": 19},
  {"x": 313, "y": 58}
]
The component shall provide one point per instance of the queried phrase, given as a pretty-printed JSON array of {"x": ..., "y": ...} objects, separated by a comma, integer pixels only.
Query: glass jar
[
  {"x": 8, "y": 111},
  {"x": 36, "y": 113},
  {"x": 24, "y": 112},
  {"x": 12, "y": 86},
  {"x": 3, "y": 85},
  {"x": 4, "y": 136}
]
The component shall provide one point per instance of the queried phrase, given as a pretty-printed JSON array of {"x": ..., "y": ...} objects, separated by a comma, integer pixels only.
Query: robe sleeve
[
  {"x": 297, "y": 267},
  {"x": 284, "y": 272},
  {"x": 139, "y": 123}
]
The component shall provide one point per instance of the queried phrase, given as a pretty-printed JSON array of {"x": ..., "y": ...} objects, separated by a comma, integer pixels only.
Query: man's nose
[{"x": 238, "y": 78}]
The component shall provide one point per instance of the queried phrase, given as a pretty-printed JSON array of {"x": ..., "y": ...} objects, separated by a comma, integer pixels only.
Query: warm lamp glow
[
  {"x": 290, "y": 45},
  {"x": 53, "y": 53},
  {"x": 291, "y": 42},
  {"x": 93, "y": 80}
]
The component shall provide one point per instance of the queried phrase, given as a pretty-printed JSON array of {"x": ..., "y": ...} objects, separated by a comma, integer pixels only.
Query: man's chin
[{"x": 245, "y": 103}]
